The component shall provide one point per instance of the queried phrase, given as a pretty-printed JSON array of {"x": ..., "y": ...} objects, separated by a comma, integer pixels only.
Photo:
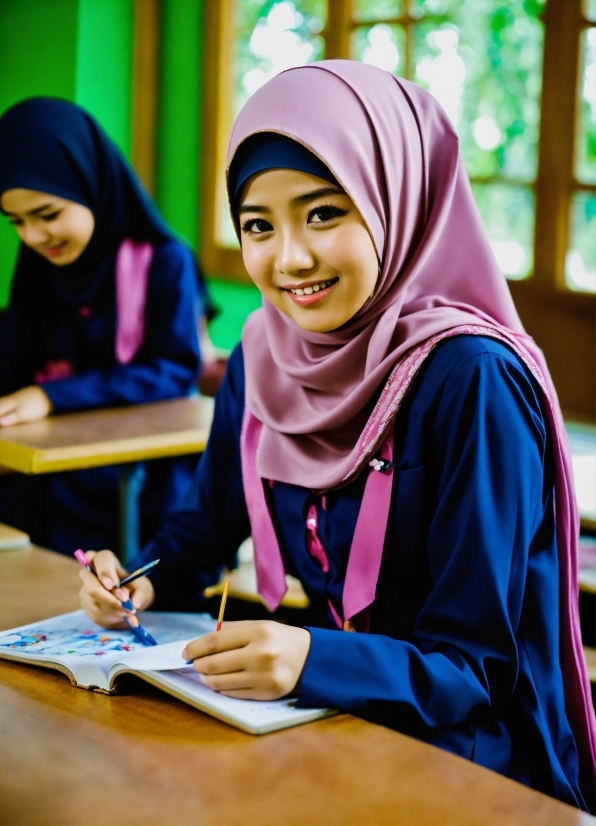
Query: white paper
[
  {"x": 160, "y": 658},
  {"x": 75, "y": 640}
]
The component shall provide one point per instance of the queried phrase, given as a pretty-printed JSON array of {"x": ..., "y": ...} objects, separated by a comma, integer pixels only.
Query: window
[
  {"x": 580, "y": 264},
  {"x": 518, "y": 79},
  {"x": 257, "y": 39}
]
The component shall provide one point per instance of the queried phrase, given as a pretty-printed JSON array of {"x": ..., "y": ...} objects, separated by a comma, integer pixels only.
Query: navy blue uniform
[
  {"x": 68, "y": 510},
  {"x": 464, "y": 645}
]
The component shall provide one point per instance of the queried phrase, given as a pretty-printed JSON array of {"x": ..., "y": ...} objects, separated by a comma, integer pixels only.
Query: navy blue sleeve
[
  {"x": 489, "y": 442},
  {"x": 204, "y": 535},
  {"x": 20, "y": 342},
  {"x": 168, "y": 362}
]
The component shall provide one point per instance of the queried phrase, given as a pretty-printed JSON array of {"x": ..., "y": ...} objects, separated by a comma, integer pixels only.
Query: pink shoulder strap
[
  {"x": 133, "y": 262},
  {"x": 369, "y": 536}
]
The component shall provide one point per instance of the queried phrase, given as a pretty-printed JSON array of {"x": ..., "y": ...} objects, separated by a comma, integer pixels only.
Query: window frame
[{"x": 561, "y": 320}]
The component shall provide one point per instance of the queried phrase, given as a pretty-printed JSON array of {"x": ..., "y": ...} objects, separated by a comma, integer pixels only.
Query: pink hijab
[{"x": 395, "y": 152}]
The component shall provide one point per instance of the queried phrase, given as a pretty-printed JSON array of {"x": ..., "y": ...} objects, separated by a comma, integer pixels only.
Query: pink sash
[{"x": 132, "y": 277}]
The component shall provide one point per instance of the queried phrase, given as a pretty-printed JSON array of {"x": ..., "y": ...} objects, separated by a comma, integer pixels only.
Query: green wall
[
  {"x": 179, "y": 120},
  {"x": 235, "y": 302},
  {"x": 179, "y": 153},
  {"x": 31, "y": 63},
  {"x": 104, "y": 64},
  {"x": 81, "y": 50}
]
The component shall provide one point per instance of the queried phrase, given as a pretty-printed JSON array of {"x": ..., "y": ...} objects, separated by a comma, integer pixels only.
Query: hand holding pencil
[{"x": 102, "y": 595}]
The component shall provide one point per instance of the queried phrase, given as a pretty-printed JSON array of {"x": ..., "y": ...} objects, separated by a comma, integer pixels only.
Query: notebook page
[
  {"x": 253, "y": 716},
  {"x": 88, "y": 650}
]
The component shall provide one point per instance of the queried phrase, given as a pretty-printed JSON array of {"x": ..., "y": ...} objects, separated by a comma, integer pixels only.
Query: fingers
[
  {"x": 102, "y": 600},
  {"x": 25, "y": 405},
  {"x": 262, "y": 658},
  {"x": 8, "y": 411},
  {"x": 10, "y": 419},
  {"x": 99, "y": 611},
  {"x": 223, "y": 663},
  {"x": 232, "y": 635},
  {"x": 101, "y": 605},
  {"x": 142, "y": 593},
  {"x": 101, "y": 597},
  {"x": 7, "y": 403},
  {"x": 109, "y": 570}
]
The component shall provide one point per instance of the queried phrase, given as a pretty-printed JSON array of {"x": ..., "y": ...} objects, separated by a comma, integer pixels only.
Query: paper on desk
[{"x": 166, "y": 657}]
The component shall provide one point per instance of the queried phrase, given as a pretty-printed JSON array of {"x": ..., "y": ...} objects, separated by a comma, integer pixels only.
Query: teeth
[{"x": 314, "y": 289}]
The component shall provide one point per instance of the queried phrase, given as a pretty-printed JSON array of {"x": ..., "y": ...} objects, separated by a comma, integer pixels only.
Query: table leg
[{"x": 131, "y": 484}]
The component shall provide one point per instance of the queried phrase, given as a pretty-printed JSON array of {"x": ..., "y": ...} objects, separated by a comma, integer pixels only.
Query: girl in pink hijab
[{"x": 388, "y": 434}]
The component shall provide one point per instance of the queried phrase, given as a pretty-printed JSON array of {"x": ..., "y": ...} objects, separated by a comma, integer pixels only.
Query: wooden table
[
  {"x": 127, "y": 435},
  {"x": 69, "y": 756}
]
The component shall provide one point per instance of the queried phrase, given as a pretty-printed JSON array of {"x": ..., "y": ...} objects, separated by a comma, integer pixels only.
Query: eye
[
  {"x": 51, "y": 216},
  {"x": 323, "y": 214},
  {"x": 16, "y": 222},
  {"x": 256, "y": 226}
]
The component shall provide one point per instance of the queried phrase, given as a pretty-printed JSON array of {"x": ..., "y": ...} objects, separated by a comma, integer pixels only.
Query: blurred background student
[{"x": 104, "y": 310}]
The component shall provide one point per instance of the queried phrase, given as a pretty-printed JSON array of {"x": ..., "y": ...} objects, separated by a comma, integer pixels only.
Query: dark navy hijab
[
  {"x": 54, "y": 146},
  {"x": 272, "y": 150}
]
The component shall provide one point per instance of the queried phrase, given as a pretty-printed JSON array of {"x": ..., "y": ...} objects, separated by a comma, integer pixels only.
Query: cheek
[
  {"x": 86, "y": 230},
  {"x": 257, "y": 263},
  {"x": 353, "y": 254},
  {"x": 76, "y": 226}
]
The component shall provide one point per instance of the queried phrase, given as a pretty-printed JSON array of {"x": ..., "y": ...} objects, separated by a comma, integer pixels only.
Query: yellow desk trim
[
  {"x": 34, "y": 460},
  {"x": 73, "y": 441},
  {"x": 590, "y": 655},
  {"x": 243, "y": 585}
]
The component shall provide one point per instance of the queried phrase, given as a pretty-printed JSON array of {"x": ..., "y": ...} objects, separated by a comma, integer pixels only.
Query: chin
[{"x": 314, "y": 325}]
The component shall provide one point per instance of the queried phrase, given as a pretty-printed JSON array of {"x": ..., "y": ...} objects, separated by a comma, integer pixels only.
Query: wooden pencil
[{"x": 222, "y": 607}]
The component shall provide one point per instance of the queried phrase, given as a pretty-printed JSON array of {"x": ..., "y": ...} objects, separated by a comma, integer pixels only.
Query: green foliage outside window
[
  {"x": 580, "y": 266},
  {"x": 483, "y": 61},
  {"x": 272, "y": 35}
]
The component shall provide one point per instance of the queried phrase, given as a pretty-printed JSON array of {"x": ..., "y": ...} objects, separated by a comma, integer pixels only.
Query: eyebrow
[
  {"x": 35, "y": 211},
  {"x": 299, "y": 200}
]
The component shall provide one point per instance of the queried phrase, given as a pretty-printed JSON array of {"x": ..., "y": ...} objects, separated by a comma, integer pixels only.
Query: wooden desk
[
  {"x": 71, "y": 757},
  {"x": 128, "y": 435},
  {"x": 71, "y": 441}
]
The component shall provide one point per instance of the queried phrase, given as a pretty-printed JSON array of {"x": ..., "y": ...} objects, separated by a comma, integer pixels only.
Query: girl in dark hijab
[{"x": 103, "y": 311}]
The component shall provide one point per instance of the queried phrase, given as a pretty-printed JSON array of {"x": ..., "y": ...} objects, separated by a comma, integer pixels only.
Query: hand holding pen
[{"x": 108, "y": 593}]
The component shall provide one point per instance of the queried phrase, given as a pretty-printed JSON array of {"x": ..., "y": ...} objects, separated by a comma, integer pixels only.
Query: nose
[
  {"x": 294, "y": 255},
  {"x": 33, "y": 234}
]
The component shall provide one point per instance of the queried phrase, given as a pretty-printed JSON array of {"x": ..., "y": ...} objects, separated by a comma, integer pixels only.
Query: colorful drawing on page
[
  {"x": 21, "y": 640},
  {"x": 75, "y": 642}
]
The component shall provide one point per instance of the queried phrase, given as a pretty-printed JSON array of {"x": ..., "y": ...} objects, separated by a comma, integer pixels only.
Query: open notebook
[
  {"x": 11, "y": 538},
  {"x": 95, "y": 658}
]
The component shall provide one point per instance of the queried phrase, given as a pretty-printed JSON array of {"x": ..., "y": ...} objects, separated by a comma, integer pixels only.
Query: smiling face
[
  {"x": 306, "y": 247},
  {"x": 54, "y": 227}
]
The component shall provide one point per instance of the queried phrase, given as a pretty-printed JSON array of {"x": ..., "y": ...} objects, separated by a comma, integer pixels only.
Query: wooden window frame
[
  {"x": 562, "y": 321},
  {"x": 145, "y": 71}
]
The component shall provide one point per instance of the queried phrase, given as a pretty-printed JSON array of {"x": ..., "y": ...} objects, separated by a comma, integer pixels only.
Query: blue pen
[{"x": 132, "y": 621}]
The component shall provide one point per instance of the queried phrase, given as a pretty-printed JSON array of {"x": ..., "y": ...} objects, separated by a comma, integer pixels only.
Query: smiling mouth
[
  {"x": 54, "y": 252},
  {"x": 312, "y": 288},
  {"x": 311, "y": 293}
]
